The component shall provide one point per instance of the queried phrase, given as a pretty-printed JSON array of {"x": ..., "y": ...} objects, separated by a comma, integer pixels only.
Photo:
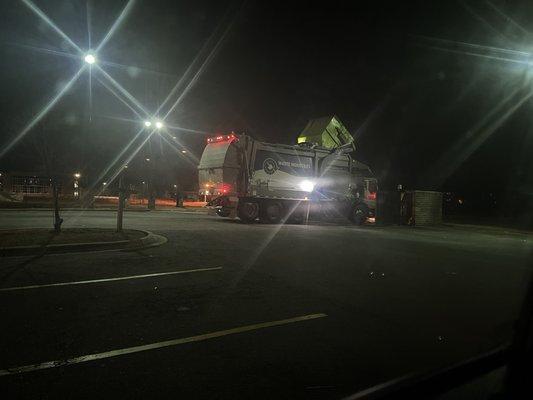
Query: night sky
[{"x": 435, "y": 93}]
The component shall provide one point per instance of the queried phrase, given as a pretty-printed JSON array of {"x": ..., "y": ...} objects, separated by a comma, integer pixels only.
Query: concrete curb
[
  {"x": 148, "y": 241},
  {"x": 186, "y": 209},
  {"x": 489, "y": 229}
]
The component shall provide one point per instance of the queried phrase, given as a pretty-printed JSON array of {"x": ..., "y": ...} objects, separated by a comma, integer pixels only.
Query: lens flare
[
  {"x": 121, "y": 89},
  {"x": 116, "y": 24},
  {"x": 42, "y": 113},
  {"x": 50, "y": 23}
]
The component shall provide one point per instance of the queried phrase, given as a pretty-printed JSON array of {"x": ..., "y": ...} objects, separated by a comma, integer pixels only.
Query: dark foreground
[{"x": 315, "y": 311}]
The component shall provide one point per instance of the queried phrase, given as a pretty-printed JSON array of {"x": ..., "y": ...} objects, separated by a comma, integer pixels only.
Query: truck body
[{"x": 274, "y": 182}]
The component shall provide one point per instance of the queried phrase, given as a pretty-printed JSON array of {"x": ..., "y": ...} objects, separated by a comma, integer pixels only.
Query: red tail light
[
  {"x": 220, "y": 188},
  {"x": 226, "y": 188},
  {"x": 221, "y": 138},
  {"x": 371, "y": 196}
]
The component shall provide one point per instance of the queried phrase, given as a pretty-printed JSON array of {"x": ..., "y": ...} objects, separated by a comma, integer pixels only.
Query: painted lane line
[
  {"x": 158, "y": 345},
  {"x": 121, "y": 278}
]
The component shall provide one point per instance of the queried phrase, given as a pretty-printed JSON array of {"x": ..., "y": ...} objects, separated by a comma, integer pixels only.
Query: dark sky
[{"x": 426, "y": 110}]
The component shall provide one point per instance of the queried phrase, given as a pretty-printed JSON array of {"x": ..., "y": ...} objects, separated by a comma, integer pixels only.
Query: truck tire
[
  {"x": 248, "y": 211},
  {"x": 296, "y": 215},
  {"x": 359, "y": 214},
  {"x": 296, "y": 218},
  {"x": 271, "y": 212},
  {"x": 221, "y": 212}
]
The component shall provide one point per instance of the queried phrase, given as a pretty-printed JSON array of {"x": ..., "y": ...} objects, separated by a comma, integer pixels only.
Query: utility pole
[
  {"x": 179, "y": 197},
  {"x": 57, "y": 219},
  {"x": 121, "y": 201},
  {"x": 151, "y": 196},
  {"x": 151, "y": 193}
]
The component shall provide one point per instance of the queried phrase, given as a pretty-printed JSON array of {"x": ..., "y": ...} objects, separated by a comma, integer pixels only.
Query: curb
[
  {"x": 148, "y": 241},
  {"x": 186, "y": 209},
  {"x": 490, "y": 229}
]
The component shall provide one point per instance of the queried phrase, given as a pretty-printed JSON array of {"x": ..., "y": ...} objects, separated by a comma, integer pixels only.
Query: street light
[
  {"x": 90, "y": 59},
  {"x": 184, "y": 151},
  {"x": 148, "y": 124},
  {"x": 105, "y": 183},
  {"x": 147, "y": 159},
  {"x": 158, "y": 124},
  {"x": 77, "y": 175}
]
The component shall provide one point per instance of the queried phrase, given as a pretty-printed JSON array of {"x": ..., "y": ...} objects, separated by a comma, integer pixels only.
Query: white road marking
[
  {"x": 158, "y": 345},
  {"x": 121, "y": 278}
]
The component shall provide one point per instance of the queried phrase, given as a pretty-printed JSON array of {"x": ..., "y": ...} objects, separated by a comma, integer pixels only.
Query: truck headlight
[{"x": 307, "y": 186}]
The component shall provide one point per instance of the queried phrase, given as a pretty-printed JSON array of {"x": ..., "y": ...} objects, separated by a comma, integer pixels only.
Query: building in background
[{"x": 27, "y": 184}]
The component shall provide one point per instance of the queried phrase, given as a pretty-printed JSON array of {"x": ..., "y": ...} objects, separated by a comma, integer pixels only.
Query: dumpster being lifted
[{"x": 278, "y": 182}]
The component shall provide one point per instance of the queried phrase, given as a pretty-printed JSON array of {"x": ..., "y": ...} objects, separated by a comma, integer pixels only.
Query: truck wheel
[
  {"x": 271, "y": 212},
  {"x": 359, "y": 214},
  {"x": 297, "y": 217},
  {"x": 248, "y": 211},
  {"x": 294, "y": 213},
  {"x": 221, "y": 212}
]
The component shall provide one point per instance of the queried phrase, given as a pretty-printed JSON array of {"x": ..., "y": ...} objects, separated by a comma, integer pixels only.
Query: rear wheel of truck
[
  {"x": 294, "y": 213},
  {"x": 297, "y": 216},
  {"x": 359, "y": 214},
  {"x": 271, "y": 212},
  {"x": 248, "y": 211}
]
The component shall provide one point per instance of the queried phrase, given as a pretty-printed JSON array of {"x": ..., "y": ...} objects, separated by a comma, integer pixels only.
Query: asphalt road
[{"x": 316, "y": 311}]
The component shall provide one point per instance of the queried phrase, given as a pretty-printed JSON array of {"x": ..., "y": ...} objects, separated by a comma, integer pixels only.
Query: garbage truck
[{"x": 275, "y": 183}]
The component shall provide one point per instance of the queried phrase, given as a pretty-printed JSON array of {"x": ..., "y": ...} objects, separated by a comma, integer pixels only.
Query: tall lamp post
[
  {"x": 151, "y": 194},
  {"x": 121, "y": 201},
  {"x": 151, "y": 189}
]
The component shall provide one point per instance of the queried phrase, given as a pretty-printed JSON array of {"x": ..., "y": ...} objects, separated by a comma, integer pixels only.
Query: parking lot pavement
[{"x": 258, "y": 310}]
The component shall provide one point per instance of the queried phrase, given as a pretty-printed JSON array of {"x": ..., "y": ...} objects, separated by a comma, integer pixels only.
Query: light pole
[
  {"x": 151, "y": 194},
  {"x": 121, "y": 201},
  {"x": 179, "y": 194}
]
